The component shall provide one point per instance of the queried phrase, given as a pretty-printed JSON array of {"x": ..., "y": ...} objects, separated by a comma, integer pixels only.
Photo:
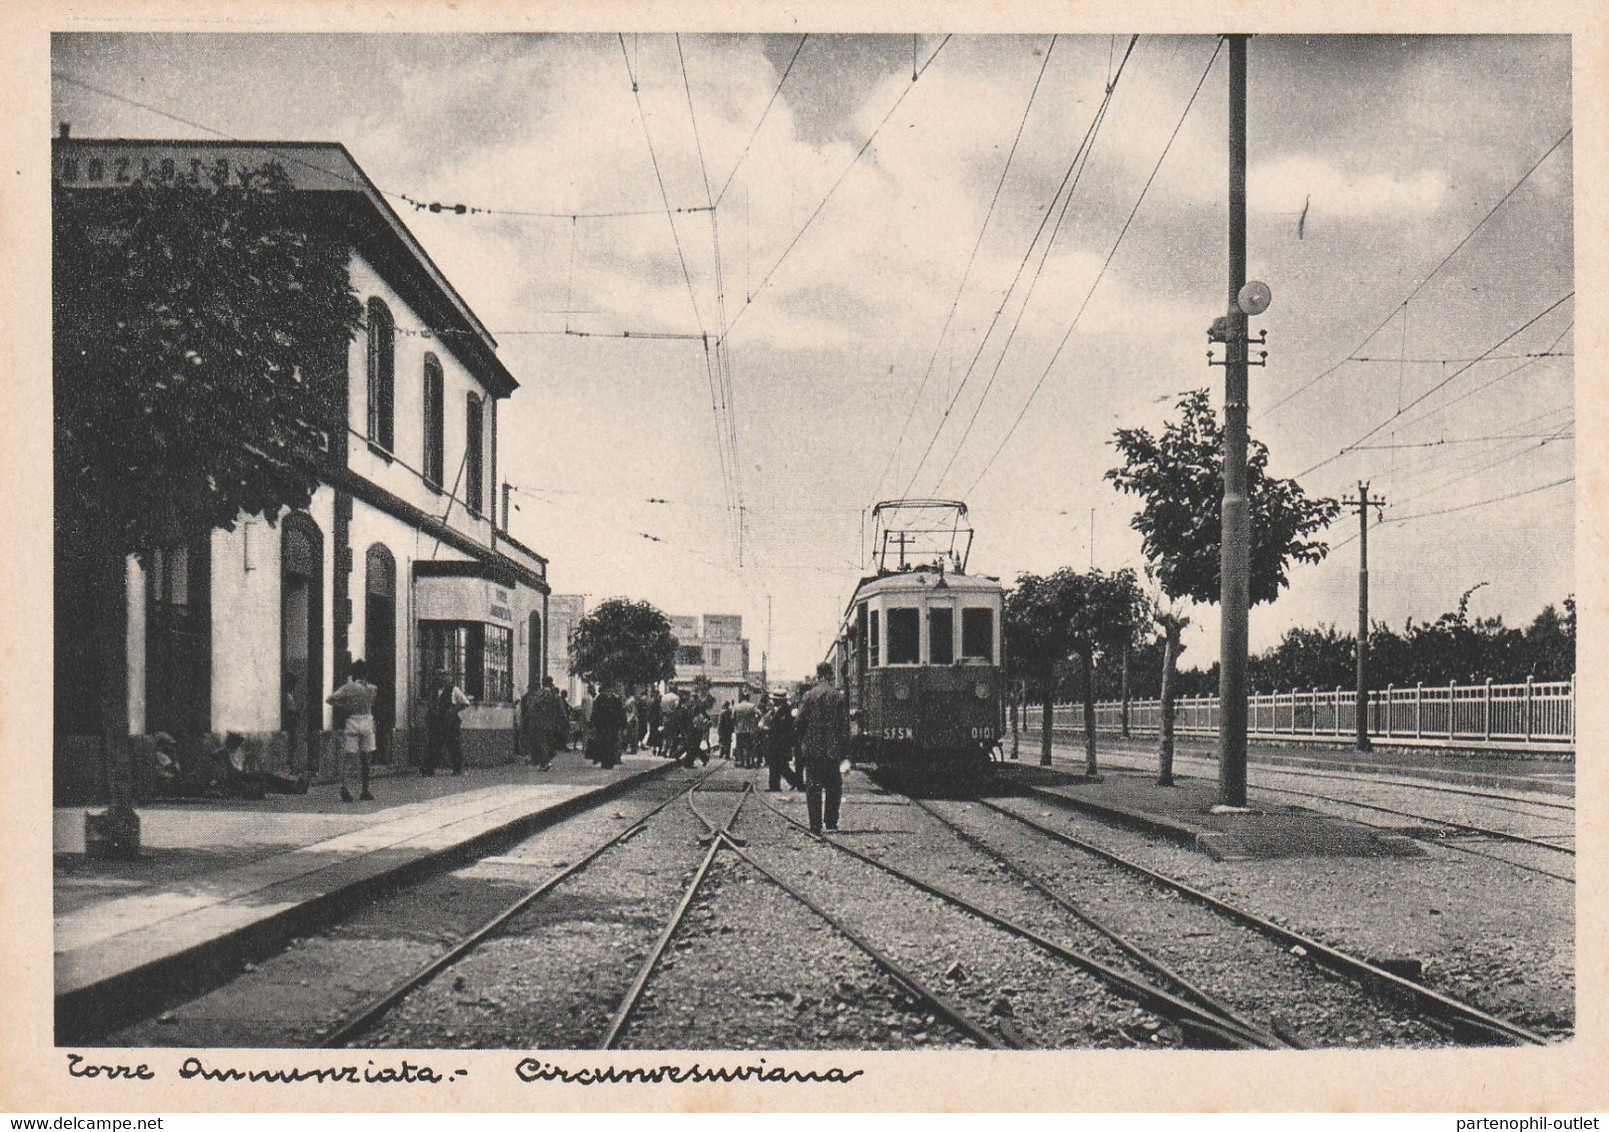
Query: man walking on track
[{"x": 824, "y": 723}]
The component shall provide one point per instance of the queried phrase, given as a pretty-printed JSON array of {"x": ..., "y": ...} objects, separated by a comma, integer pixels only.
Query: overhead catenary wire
[
  {"x": 866, "y": 145},
  {"x": 1532, "y": 321},
  {"x": 966, "y": 272},
  {"x": 788, "y": 70},
  {"x": 1099, "y": 275},
  {"x": 1305, "y": 386},
  {"x": 417, "y": 202},
  {"x": 1067, "y": 184}
]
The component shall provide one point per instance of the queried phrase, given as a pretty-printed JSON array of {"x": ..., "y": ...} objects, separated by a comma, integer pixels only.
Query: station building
[{"x": 399, "y": 558}]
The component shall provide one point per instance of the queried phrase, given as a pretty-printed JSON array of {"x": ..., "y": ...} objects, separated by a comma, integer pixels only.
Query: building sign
[{"x": 499, "y": 607}]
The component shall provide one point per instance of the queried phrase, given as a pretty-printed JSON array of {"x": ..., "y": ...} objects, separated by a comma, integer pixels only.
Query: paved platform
[
  {"x": 1183, "y": 813},
  {"x": 220, "y": 878}
]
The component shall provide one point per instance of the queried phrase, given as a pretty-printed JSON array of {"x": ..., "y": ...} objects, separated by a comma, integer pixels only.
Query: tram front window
[
  {"x": 941, "y": 635},
  {"x": 904, "y": 636},
  {"x": 977, "y": 635}
]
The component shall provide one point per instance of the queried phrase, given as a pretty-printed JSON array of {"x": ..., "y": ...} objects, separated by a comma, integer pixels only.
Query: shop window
[
  {"x": 382, "y": 375},
  {"x": 478, "y": 657},
  {"x": 435, "y": 429},
  {"x": 977, "y": 635},
  {"x": 498, "y": 664},
  {"x": 941, "y": 635},
  {"x": 905, "y": 636}
]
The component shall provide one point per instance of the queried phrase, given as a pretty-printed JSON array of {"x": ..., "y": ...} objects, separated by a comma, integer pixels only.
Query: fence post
[
  {"x": 1525, "y": 711},
  {"x": 1419, "y": 710},
  {"x": 1313, "y": 723},
  {"x": 1572, "y": 709},
  {"x": 1486, "y": 710},
  {"x": 1335, "y": 709}
]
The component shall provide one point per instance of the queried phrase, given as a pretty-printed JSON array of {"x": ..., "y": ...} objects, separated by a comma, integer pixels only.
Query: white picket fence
[{"x": 1529, "y": 716}]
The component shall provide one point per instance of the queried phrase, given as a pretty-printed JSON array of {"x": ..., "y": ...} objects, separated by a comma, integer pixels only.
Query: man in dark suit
[{"x": 823, "y": 743}]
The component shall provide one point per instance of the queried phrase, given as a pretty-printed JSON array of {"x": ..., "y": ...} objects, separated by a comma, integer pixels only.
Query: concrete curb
[{"x": 86, "y": 1013}]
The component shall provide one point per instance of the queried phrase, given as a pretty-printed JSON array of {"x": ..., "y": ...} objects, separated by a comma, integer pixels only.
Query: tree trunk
[
  {"x": 116, "y": 832},
  {"x": 1125, "y": 697},
  {"x": 1170, "y": 660},
  {"x": 1044, "y": 729},
  {"x": 1015, "y": 731},
  {"x": 1090, "y": 767}
]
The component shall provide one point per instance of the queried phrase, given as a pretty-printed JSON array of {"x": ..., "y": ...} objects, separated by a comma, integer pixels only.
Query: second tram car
[{"x": 919, "y": 650}]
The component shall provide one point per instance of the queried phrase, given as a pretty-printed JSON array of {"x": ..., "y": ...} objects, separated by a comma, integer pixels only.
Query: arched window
[
  {"x": 382, "y": 374},
  {"x": 474, "y": 441},
  {"x": 435, "y": 430}
]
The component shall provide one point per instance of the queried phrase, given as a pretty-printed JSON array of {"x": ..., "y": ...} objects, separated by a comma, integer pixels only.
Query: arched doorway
[
  {"x": 380, "y": 644},
  {"x": 534, "y": 653},
  {"x": 301, "y": 638}
]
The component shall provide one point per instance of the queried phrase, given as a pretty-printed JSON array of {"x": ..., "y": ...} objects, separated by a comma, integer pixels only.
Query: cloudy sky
[{"x": 840, "y": 262}]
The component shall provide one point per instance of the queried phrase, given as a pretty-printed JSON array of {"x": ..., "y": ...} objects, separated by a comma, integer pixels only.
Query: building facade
[
  {"x": 398, "y": 558},
  {"x": 565, "y": 612},
  {"x": 714, "y": 649}
]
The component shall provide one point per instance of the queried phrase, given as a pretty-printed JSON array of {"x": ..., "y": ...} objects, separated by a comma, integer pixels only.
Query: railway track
[
  {"x": 1205, "y": 1021},
  {"x": 1462, "y": 827},
  {"x": 1464, "y": 1018},
  {"x": 370, "y": 1014}
]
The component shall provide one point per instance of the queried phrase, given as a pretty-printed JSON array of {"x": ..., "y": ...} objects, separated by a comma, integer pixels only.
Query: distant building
[
  {"x": 714, "y": 649},
  {"x": 564, "y": 614}
]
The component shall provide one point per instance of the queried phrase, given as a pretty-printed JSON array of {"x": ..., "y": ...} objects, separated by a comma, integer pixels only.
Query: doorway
[
  {"x": 301, "y": 639},
  {"x": 380, "y": 644}
]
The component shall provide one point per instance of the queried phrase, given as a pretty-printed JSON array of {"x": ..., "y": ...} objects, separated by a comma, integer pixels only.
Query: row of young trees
[{"x": 1092, "y": 618}]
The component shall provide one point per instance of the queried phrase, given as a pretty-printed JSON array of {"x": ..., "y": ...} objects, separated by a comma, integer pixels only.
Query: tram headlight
[
  {"x": 902, "y": 691},
  {"x": 981, "y": 691}
]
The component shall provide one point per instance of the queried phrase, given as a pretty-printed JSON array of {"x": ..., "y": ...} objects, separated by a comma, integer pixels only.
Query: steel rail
[
  {"x": 1430, "y": 1001},
  {"x": 1299, "y": 769},
  {"x": 1209, "y": 1024},
  {"x": 1481, "y": 830},
  {"x": 716, "y": 830},
  {"x": 628, "y": 1004},
  {"x": 1190, "y": 990},
  {"x": 376, "y": 1008},
  {"x": 941, "y": 1004}
]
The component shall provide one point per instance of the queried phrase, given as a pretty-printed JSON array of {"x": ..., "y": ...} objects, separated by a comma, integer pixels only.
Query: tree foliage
[
  {"x": 194, "y": 325},
  {"x": 623, "y": 642},
  {"x": 1179, "y": 476},
  {"x": 1067, "y": 614}
]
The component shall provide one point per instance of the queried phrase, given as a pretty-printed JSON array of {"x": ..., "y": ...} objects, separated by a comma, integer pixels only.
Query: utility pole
[
  {"x": 1363, "y": 503},
  {"x": 1235, "y": 553}
]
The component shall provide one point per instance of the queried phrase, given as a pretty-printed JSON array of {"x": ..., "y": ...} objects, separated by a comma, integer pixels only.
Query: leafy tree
[
  {"x": 196, "y": 327},
  {"x": 1179, "y": 476},
  {"x": 1069, "y": 614},
  {"x": 623, "y": 642}
]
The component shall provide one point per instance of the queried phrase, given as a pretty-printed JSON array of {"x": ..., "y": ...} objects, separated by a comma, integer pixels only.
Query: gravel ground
[
  {"x": 555, "y": 975},
  {"x": 1000, "y": 981},
  {"x": 1259, "y": 977},
  {"x": 294, "y": 997},
  {"x": 754, "y": 969},
  {"x": 1485, "y": 933}
]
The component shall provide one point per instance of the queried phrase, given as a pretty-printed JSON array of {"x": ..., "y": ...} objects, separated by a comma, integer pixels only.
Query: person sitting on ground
[{"x": 236, "y": 773}]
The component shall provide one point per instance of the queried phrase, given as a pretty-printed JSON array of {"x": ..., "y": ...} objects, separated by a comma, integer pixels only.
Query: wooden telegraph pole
[{"x": 1363, "y": 503}]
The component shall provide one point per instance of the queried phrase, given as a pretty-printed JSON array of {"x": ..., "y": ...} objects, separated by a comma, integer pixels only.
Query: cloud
[{"x": 1282, "y": 186}]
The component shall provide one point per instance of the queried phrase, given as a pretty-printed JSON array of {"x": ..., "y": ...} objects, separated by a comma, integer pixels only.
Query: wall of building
[{"x": 403, "y": 473}]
